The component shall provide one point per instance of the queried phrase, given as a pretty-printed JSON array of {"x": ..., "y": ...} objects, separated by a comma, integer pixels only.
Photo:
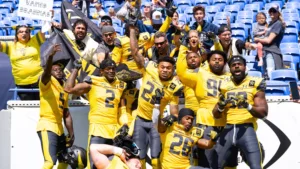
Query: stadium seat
[
  {"x": 240, "y": 3},
  {"x": 182, "y": 2},
  {"x": 261, "y": 3},
  {"x": 276, "y": 88},
  {"x": 189, "y": 13},
  {"x": 290, "y": 35},
  {"x": 212, "y": 9},
  {"x": 285, "y": 75},
  {"x": 233, "y": 9},
  {"x": 220, "y": 22},
  {"x": 289, "y": 10},
  {"x": 252, "y": 7},
  {"x": 117, "y": 22},
  {"x": 119, "y": 30},
  {"x": 250, "y": 58},
  {"x": 280, "y": 2},
  {"x": 239, "y": 34},
  {"x": 252, "y": 66},
  {"x": 220, "y": 3},
  {"x": 247, "y": 22},
  {"x": 291, "y": 24},
  {"x": 201, "y": 2},
  {"x": 246, "y": 15},
  {"x": 239, "y": 26},
  {"x": 182, "y": 19},
  {"x": 291, "y": 51},
  {"x": 223, "y": 16},
  {"x": 289, "y": 45},
  {"x": 288, "y": 62},
  {"x": 269, "y": 5},
  {"x": 108, "y": 4},
  {"x": 96, "y": 21},
  {"x": 255, "y": 73}
]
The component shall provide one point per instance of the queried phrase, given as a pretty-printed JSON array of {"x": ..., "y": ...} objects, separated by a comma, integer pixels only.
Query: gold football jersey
[
  {"x": 150, "y": 86},
  {"x": 247, "y": 88},
  {"x": 177, "y": 146},
  {"x": 104, "y": 98}
]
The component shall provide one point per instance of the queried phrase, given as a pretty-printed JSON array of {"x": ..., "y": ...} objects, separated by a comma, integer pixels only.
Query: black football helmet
[{"x": 76, "y": 157}]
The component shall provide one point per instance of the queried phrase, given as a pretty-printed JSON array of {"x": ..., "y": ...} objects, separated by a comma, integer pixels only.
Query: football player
[
  {"x": 246, "y": 97},
  {"x": 179, "y": 138},
  {"x": 54, "y": 108},
  {"x": 159, "y": 87},
  {"x": 205, "y": 84},
  {"x": 105, "y": 97}
]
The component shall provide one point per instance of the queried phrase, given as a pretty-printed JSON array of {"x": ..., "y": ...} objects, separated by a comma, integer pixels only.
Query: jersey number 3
[{"x": 186, "y": 148}]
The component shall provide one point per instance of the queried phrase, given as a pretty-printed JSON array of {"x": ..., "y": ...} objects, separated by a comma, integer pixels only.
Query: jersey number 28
[{"x": 186, "y": 148}]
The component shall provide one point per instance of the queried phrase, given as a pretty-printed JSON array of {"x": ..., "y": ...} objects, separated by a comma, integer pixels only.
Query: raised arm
[
  {"x": 46, "y": 76},
  {"x": 123, "y": 117},
  {"x": 187, "y": 78},
  {"x": 138, "y": 58},
  {"x": 161, "y": 127},
  {"x": 69, "y": 125},
  {"x": 80, "y": 88},
  {"x": 99, "y": 154}
]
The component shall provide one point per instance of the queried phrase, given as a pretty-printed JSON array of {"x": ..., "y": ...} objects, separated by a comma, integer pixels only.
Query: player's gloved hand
[
  {"x": 159, "y": 94},
  {"x": 77, "y": 63},
  {"x": 213, "y": 135},
  {"x": 169, "y": 120},
  {"x": 123, "y": 130},
  {"x": 171, "y": 10},
  {"x": 242, "y": 101},
  {"x": 132, "y": 20},
  {"x": 222, "y": 102},
  {"x": 69, "y": 140}
]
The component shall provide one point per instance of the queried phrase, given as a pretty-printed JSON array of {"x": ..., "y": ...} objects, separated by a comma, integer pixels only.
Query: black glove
[
  {"x": 169, "y": 120},
  {"x": 242, "y": 102},
  {"x": 171, "y": 10},
  {"x": 77, "y": 63},
  {"x": 159, "y": 94},
  {"x": 132, "y": 20},
  {"x": 211, "y": 35},
  {"x": 123, "y": 130},
  {"x": 222, "y": 102}
]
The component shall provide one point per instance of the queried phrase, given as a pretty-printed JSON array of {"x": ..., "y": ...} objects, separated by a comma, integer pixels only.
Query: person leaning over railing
[{"x": 24, "y": 55}]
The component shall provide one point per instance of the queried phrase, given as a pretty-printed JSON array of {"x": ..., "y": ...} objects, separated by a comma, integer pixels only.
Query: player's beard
[{"x": 216, "y": 69}]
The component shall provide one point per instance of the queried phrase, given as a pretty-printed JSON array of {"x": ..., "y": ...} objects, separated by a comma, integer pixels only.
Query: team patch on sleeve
[
  {"x": 172, "y": 86},
  {"x": 197, "y": 132},
  {"x": 88, "y": 79},
  {"x": 261, "y": 86},
  {"x": 252, "y": 83}
]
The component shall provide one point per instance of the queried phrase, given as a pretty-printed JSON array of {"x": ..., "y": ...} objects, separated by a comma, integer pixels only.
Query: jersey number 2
[
  {"x": 110, "y": 99},
  {"x": 186, "y": 149}
]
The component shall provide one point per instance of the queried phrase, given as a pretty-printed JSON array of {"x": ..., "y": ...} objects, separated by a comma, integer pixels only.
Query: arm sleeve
[
  {"x": 163, "y": 104},
  {"x": 255, "y": 30},
  {"x": 5, "y": 47},
  {"x": 116, "y": 54},
  {"x": 261, "y": 86},
  {"x": 37, "y": 38},
  {"x": 66, "y": 104},
  {"x": 187, "y": 78}
]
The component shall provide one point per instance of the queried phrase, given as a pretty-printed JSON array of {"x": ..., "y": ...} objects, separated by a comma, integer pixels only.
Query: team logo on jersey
[
  {"x": 121, "y": 85},
  {"x": 198, "y": 132},
  {"x": 131, "y": 92},
  {"x": 172, "y": 86},
  {"x": 251, "y": 83}
]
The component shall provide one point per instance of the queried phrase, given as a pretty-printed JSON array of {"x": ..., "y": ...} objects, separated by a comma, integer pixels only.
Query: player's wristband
[
  {"x": 117, "y": 151},
  {"x": 249, "y": 107}
]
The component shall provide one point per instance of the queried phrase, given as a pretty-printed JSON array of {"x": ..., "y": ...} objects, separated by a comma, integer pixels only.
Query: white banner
[
  {"x": 25, "y": 148},
  {"x": 36, "y": 9}
]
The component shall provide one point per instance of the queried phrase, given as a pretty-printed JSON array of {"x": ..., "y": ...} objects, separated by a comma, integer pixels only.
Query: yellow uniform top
[
  {"x": 151, "y": 83},
  {"x": 177, "y": 145},
  {"x": 131, "y": 97},
  {"x": 205, "y": 84},
  {"x": 25, "y": 59},
  {"x": 117, "y": 163},
  {"x": 248, "y": 88},
  {"x": 53, "y": 101},
  {"x": 191, "y": 101},
  {"x": 104, "y": 98},
  {"x": 122, "y": 52}
]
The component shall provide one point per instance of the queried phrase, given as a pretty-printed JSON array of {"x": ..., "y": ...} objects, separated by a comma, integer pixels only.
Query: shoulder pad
[
  {"x": 88, "y": 79},
  {"x": 118, "y": 43}
]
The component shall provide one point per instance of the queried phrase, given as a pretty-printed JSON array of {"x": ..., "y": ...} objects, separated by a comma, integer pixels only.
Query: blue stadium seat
[
  {"x": 276, "y": 88},
  {"x": 252, "y": 66},
  {"x": 119, "y": 30},
  {"x": 239, "y": 26},
  {"x": 280, "y": 2},
  {"x": 240, "y": 3},
  {"x": 108, "y": 4},
  {"x": 250, "y": 58},
  {"x": 57, "y": 4},
  {"x": 269, "y": 5},
  {"x": 285, "y": 75},
  {"x": 223, "y": 16},
  {"x": 290, "y": 35},
  {"x": 96, "y": 21},
  {"x": 182, "y": 19},
  {"x": 289, "y": 10},
  {"x": 182, "y": 2},
  {"x": 189, "y": 13},
  {"x": 212, "y": 9},
  {"x": 247, "y": 22},
  {"x": 291, "y": 51},
  {"x": 220, "y": 3},
  {"x": 255, "y": 73},
  {"x": 233, "y": 9},
  {"x": 246, "y": 15},
  {"x": 201, "y": 2},
  {"x": 291, "y": 24},
  {"x": 252, "y": 7},
  {"x": 288, "y": 62},
  {"x": 117, "y": 22},
  {"x": 261, "y": 3},
  {"x": 289, "y": 45},
  {"x": 220, "y": 22},
  {"x": 239, "y": 34}
]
